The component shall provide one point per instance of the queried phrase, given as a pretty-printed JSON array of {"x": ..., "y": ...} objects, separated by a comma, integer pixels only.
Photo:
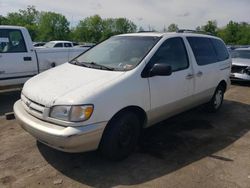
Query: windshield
[
  {"x": 245, "y": 54},
  {"x": 119, "y": 53},
  {"x": 49, "y": 45}
]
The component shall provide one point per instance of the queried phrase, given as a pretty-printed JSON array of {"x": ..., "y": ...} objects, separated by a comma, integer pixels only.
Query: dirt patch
[{"x": 193, "y": 149}]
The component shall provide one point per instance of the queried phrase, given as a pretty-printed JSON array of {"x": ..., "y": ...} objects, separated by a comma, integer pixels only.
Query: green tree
[
  {"x": 53, "y": 26},
  {"x": 27, "y": 18},
  {"x": 210, "y": 27},
  {"x": 89, "y": 29},
  {"x": 3, "y": 20},
  {"x": 95, "y": 29},
  {"x": 123, "y": 25},
  {"x": 235, "y": 33},
  {"x": 173, "y": 27}
]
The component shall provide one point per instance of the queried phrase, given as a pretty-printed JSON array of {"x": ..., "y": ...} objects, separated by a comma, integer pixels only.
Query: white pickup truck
[{"x": 19, "y": 60}]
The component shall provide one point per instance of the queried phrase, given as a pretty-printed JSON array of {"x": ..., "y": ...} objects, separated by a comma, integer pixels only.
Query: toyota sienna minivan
[{"x": 103, "y": 98}]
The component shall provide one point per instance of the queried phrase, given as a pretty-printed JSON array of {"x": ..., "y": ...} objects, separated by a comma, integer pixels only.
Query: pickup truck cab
[
  {"x": 19, "y": 60},
  {"x": 103, "y": 98}
]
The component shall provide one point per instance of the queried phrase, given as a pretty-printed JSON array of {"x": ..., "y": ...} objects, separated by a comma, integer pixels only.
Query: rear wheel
[
  {"x": 217, "y": 99},
  {"x": 121, "y": 136}
]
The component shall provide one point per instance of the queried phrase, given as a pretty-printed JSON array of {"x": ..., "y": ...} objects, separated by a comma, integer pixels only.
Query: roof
[
  {"x": 167, "y": 34},
  {"x": 11, "y": 27},
  {"x": 59, "y": 41}
]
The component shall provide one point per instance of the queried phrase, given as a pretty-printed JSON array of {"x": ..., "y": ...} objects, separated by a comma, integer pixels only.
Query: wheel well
[
  {"x": 138, "y": 111},
  {"x": 223, "y": 84}
]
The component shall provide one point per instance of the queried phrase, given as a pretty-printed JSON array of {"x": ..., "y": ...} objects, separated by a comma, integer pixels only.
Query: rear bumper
[{"x": 68, "y": 139}]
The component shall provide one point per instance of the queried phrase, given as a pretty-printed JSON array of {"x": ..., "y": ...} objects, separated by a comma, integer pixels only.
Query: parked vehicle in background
[
  {"x": 104, "y": 97},
  {"x": 75, "y": 43},
  {"x": 19, "y": 60},
  {"x": 85, "y": 45},
  {"x": 240, "y": 64},
  {"x": 58, "y": 44},
  {"x": 38, "y": 44}
]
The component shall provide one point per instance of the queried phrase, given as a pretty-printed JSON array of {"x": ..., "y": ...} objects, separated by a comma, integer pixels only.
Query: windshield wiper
[
  {"x": 92, "y": 65},
  {"x": 102, "y": 66},
  {"x": 83, "y": 64}
]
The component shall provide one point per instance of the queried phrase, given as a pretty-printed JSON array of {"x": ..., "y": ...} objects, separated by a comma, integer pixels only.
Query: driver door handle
[
  {"x": 2, "y": 72},
  {"x": 199, "y": 74}
]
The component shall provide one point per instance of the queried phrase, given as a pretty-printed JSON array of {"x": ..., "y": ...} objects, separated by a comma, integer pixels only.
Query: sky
[{"x": 157, "y": 14}]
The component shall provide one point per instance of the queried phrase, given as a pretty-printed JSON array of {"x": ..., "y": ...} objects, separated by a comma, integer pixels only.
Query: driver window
[
  {"x": 11, "y": 41},
  {"x": 173, "y": 53}
]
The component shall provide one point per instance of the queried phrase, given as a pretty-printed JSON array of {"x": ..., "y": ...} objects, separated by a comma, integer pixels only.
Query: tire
[
  {"x": 120, "y": 136},
  {"x": 215, "y": 103}
]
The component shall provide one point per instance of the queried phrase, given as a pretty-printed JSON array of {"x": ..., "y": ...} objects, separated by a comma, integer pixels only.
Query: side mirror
[{"x": 160, "y": 70}]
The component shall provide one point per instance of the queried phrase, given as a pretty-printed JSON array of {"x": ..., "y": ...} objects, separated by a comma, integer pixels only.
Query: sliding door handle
[
  {"x": 199, "y": 74},
  {"x": 2, "y": 72}
]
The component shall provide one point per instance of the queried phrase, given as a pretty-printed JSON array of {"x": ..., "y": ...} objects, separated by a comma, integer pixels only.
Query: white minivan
[{"x": 103, "y": 98}]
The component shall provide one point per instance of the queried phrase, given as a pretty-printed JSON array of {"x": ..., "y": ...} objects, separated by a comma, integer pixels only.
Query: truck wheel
[
  {"x": 120, "y": 136},
  {"x": 215, "y": 103}
]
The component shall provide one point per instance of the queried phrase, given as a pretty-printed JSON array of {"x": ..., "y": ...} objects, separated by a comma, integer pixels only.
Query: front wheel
[
  {"x": 120, "y": 137},
  {"x": 215, "y": 103}
]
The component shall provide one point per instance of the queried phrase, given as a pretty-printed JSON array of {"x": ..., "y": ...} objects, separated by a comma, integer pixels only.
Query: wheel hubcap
[{"x": 218, "y": 99}]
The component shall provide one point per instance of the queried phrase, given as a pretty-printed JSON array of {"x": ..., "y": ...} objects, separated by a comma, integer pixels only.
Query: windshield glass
[
  {"x": 245, "y": 54},
  {"x": 120, "y": 52},
  {"x": 49, "y": 45}
]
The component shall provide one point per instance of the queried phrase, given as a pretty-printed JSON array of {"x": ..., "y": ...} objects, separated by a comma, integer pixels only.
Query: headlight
[{"x": 72, "y": 113}]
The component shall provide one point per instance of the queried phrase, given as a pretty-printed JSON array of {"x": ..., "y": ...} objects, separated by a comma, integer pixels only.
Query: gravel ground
[{"x": 193, "y": 149}]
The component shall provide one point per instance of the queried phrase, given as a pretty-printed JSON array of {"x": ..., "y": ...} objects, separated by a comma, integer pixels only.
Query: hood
[
  {"x": 49, "y": 86},
  {"x": 241, "y": 61}
]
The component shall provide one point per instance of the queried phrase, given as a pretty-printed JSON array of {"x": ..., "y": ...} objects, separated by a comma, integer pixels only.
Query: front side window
[
  {"x": 120, "y": 53},
  {"x": 203, "y": 50},
  {"x": 11, "y": 41},
  {"x": 173, "y": 53}
]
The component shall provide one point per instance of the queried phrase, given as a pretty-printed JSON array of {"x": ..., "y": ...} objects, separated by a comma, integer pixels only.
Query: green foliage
[
  {"x": 173, "y": 27},
  {"x": 53, "y": 26},
  {"x": 210, "y": 27},
  {"x": 233, "y": 33},
  {"x": 95, "y": 29},
  {"x": 27, "y": 18},
  {"x": 46, "y": 26},
  {"x": 3, "y": 20}
]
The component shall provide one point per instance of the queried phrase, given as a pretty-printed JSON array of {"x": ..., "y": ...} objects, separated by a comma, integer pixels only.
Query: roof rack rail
[{"x": 193, "y": 31}]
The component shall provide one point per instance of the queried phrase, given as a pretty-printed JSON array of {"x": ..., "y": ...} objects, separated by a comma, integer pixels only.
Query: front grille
[
  {"x": 34, "y": 108},
  {"x": 238, "y": 69}
]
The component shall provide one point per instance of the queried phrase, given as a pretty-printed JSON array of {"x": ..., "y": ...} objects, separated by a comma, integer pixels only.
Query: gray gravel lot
[{"x": 193, "y": 149}]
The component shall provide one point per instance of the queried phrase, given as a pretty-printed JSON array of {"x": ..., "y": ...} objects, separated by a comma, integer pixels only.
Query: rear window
[
  {"x": 203, "y": 50},
  {"x": 221, "y": 50}
]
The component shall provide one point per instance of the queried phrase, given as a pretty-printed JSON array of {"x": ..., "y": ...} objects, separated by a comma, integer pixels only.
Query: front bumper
[
  {"x": 68, "y": 139},
  {"x": 240, "y": 77}
]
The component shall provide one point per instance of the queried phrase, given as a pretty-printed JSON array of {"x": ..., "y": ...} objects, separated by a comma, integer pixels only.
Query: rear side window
[
  {"x": 173, "y": 53},
  {"x": 203, "y": 50},
  {"x": 221, "y": 50},
  {"x": 67, "y": 45}
]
